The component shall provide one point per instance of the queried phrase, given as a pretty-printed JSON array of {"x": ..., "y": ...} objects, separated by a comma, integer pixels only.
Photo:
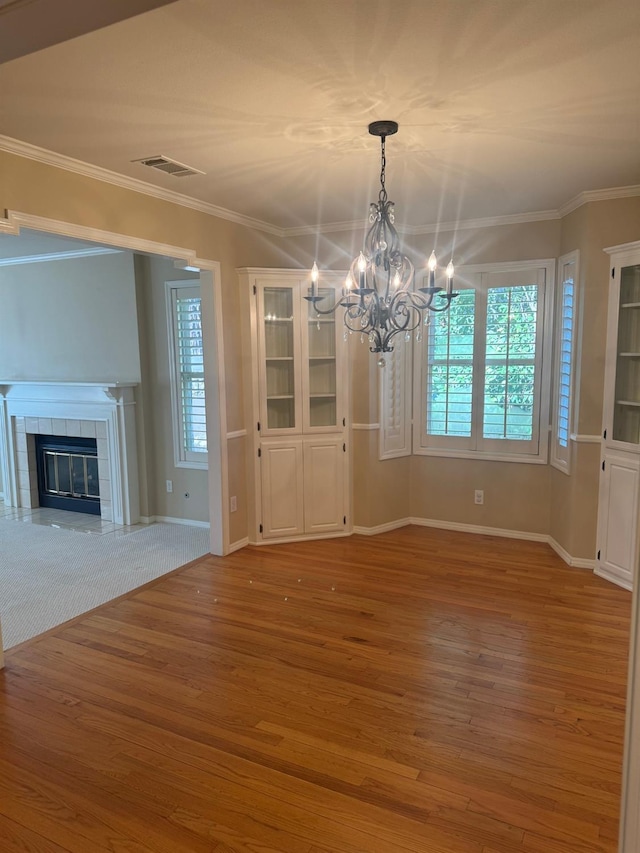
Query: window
[
  {"x": 483, "y": 365},
  {"x": 565, "y": 335},
  {"x": 187, "y": 374}
]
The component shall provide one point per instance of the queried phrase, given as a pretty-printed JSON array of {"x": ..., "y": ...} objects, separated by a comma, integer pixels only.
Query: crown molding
[
  {"x": 461, "y": 225},
  {"x": 42, "y": 155},
  {"x": 598, "y": 195},
  {"x": 51, "y": 158},
  {"x": 57, "y": 256}
]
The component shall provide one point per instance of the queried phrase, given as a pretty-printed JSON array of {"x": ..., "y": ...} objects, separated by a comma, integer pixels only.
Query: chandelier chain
[{"x": 383, "y": 164}]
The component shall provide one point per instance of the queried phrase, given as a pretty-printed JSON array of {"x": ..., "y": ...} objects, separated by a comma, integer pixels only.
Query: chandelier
[{"x": 380, "y": 299}]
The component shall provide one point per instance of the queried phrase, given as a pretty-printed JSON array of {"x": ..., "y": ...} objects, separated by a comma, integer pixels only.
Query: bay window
[{"x": 482, "y": 368}]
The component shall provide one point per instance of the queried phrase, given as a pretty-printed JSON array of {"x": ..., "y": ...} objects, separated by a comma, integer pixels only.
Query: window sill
[
  {"x": 528, "y": 459},
  {"x": 181, "y": 463}
]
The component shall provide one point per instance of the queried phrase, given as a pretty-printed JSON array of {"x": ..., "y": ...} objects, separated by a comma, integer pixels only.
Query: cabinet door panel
[
  {"x": 323, "y": 353},
  {"x": 279, "y": 358},
  {"x": 282, "y": 489},
  {"x": 324, "y": 504},
  {"x": 618, "y": 513}
]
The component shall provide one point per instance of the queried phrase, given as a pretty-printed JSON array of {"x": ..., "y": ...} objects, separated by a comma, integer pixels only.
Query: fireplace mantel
[{"x": 106, "y": 409}]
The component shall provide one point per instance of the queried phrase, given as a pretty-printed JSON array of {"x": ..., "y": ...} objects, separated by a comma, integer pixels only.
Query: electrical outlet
[
  {"x": 478, "y": 496},
  {"x": 169, "y": 485},
  {"x": 233, "y": 503}
]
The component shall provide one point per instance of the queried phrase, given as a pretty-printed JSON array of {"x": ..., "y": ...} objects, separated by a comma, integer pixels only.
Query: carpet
[{"x": 48, "y": 575}]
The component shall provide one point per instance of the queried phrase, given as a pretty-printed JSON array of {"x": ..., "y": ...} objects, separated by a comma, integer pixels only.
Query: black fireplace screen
[{"x": 68, "y": 473}]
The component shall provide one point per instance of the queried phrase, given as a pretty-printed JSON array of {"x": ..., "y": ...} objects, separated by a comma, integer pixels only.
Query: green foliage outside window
[{"x": 507, "y": 365}]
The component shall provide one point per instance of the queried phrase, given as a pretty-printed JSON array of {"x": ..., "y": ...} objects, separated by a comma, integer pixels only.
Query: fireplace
[
  {"x": 103, "y": 412},
  {"x": 67, "y": 472}
]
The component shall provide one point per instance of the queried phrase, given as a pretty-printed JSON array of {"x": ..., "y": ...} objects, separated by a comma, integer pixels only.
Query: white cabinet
[
  {"x": 282, "y": 489},
  {"x": 324, "y": 481},
  {"x": 617, "y": 517},
  {"x": 620, "y": 458},
  {"x": 298, "y": 396}
]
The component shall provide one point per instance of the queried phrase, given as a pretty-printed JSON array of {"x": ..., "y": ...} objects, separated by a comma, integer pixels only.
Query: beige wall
[
  {"x": 155, "y": 394},
  {"x": 574, "y": 499}
]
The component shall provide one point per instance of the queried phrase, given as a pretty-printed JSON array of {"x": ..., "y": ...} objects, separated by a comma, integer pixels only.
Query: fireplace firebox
[{"x": 68, "y": 473}]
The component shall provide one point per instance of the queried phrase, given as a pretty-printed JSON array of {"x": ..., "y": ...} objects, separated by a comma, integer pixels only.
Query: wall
[
  {"x": 71, "y": 320},
  {"x": 574, "y": 499},
  {"x": 151, "y": 275}
]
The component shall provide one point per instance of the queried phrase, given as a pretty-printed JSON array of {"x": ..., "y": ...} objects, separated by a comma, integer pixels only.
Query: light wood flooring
[{"x": 419, "y": 691}]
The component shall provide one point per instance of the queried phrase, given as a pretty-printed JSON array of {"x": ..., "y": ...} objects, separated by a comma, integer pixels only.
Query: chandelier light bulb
[
  {"x": 362, "y": 263},
  {"x": 432, "y": 263},
  {"x": 449, "y": 270},
  {"x": 396, "y": 280},
  {"x": 314, "y": 278}
]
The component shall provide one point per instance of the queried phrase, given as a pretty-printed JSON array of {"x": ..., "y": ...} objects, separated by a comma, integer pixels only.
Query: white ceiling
[{"x": 505, "y": 106}]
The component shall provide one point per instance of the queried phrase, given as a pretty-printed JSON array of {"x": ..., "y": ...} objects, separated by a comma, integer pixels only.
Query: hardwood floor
[{"x": 421, "y": 691}]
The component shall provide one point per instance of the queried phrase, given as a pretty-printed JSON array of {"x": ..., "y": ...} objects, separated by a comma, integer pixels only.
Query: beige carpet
[{"x": 49, "y": 575}]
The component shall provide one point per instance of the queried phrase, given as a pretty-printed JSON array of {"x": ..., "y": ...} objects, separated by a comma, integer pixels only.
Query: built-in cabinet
[
  {"x": 299, "y": 450},
  {"x": 619, "y": 493}
]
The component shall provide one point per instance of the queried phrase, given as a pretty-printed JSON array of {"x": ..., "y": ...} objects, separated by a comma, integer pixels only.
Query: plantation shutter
[
  {"x": 395, "y": 401},
  {"x": 191, "y": 370}
]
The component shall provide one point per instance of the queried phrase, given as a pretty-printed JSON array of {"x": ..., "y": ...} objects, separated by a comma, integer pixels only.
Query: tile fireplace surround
[{"x": 101, "y": 410}]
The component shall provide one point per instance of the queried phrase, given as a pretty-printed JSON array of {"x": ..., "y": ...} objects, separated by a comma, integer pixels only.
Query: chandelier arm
[
  {"x": 448, "y": 297},
  {"x": 417, "y": 300},
  {"x": 339, "y": 303}
]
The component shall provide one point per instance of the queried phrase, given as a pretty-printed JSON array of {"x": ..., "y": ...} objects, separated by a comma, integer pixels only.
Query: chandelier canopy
[{"x": 380, "y": 299}]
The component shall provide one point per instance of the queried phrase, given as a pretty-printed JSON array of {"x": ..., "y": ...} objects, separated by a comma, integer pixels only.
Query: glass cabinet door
[
  {"x": 321, "y": 409},
  {"x": 626, "y": 404},
  {"x": 280, "y": 347}
]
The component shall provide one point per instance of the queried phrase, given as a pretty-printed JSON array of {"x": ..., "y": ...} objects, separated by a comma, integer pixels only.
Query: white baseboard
[
  {"x": 382, "y": 528},
  {"x": 613, "y": 578},
  {"x": 574, "y": 562},
  {"x": 236, "y": 546},
  {"x": 190, "y": 522},
  {"x": 310, "y": 538},
  {"x": 479, "y": 529}
]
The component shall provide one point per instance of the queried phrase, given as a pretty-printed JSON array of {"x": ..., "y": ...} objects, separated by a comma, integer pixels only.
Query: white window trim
[
  {"x": 180, "y": 457},
  {"x": 469, "y": 275},
  {"x": 561, "y": 457}
]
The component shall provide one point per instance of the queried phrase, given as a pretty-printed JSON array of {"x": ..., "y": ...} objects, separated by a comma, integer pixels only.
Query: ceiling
[{"x": 505, "y": 107}]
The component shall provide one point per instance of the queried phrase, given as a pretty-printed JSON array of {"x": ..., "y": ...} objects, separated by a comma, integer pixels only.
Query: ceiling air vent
[{"x": 171, "y": 167}]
